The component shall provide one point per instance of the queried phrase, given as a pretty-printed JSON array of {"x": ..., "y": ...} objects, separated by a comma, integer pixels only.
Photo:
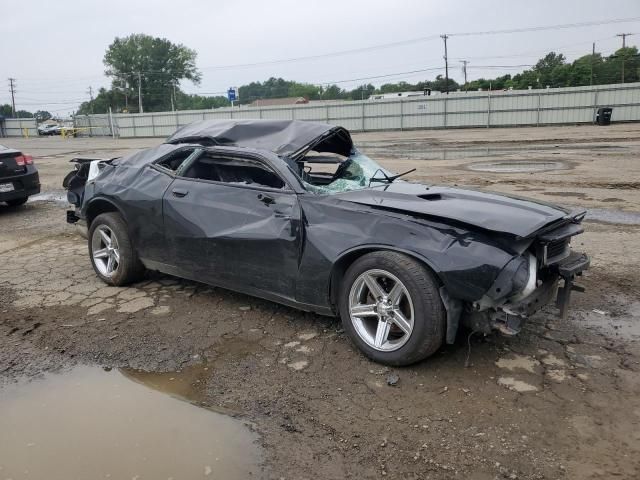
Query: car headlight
[{"x": 525, "y": 278}]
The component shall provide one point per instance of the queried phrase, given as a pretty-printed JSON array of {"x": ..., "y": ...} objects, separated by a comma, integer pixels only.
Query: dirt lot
[{"x": 559, "y": 401}]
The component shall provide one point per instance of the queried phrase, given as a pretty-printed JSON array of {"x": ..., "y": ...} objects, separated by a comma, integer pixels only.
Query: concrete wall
[
  {"x": 14, "y": 127},
  {"x": 456, "y": 110}
]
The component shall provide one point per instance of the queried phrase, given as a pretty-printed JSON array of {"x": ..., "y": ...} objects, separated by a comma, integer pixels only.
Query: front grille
[{"x": 556, "y": 251}]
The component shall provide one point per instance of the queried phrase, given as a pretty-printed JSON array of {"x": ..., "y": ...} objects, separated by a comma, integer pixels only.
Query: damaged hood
[
  {"x": 285, "y": 138},
  {"x": 488, "y": 211}
]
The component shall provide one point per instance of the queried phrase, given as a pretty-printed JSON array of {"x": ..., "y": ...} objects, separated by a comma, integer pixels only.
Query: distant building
[
  {"x": 386, "y": 96},
  {"x": 276, "y": 102}
]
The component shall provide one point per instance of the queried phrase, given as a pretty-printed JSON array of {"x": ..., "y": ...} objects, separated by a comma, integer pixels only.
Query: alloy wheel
[
  {"x": 105, "y": 251},
  {"x": 381, "y": 310}
]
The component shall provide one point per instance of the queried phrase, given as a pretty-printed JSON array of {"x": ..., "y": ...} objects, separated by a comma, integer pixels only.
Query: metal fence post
[
  {"x": 89, "y": 123},
  {"x": 327, "y": 113},
  {"x": 153, "y": 125},
  {"x": 113, "y": 133},
  {"x": 401, "y": 114},
  {"x": 489, "y": 109},
  {"x": 133, "y": 123},
  {"x": 538, "y": 110},
  {"x": 363, "y": 116},
  {"x": 445, "y": 111},
  {"x": 595, "y": 104}
]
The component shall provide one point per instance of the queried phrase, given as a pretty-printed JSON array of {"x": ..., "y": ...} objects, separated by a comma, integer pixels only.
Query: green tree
[
  {"x": 156, "y": 64},
  {"x": 42, "y": 115}
]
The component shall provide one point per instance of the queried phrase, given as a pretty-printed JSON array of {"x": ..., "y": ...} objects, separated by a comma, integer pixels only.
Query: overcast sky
[{"x": 55, "y": 48}]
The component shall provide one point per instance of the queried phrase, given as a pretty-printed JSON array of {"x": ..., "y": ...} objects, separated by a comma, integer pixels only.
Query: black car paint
[
  {"x": 294, "y": 248},
  {"x": 25, "y": 179}
]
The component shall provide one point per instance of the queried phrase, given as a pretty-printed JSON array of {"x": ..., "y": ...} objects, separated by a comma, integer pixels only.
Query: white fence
[
  {"x": 456, "y": 110},
  {"x": 18, "y": 127}
]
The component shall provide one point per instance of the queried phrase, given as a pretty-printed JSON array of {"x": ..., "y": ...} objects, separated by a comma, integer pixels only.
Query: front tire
[
  {"x": 112, "y": 255},
  {"x": 391, "y": 308}
]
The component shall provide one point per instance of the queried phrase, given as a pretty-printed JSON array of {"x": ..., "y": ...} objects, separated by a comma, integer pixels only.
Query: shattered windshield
[{"x": 357, "y": 172}]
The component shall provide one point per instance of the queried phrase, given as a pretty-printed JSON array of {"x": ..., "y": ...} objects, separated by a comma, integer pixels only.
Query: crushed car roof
[{"x": 286, "y": 138}]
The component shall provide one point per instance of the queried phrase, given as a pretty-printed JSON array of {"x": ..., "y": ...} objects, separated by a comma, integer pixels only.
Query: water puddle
[
  {"x": 90, "y": 423},
  {"x": 56, "y": 196},
  {"x": 518, "y": 166},
  {"x": 413, "y": 150},
  {"x": 606, "y": 215}
]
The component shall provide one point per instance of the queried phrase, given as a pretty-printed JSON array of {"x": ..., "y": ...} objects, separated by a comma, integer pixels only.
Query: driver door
[{"x": 230, "y": 220}]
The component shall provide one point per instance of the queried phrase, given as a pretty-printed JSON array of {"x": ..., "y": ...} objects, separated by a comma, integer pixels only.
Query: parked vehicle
[
  {"x": 18, "y": 177},
  {"x": 48, "y": 129},
  {"x": 292, "y": 212}
]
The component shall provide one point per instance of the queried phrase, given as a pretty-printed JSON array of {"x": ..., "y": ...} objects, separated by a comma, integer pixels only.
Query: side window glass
[
  {"x": 175, "y": 160},
  {"x": 233, "y": 171}
]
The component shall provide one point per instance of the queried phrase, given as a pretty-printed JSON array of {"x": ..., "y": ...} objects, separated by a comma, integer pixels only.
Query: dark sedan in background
[{"x": 18, "y": 177}]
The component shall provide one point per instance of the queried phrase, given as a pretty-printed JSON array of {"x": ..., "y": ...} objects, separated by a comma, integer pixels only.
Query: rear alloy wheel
[
  {"x": 391, "y": 308},
  {"x": 112, "y": 255},
  {"x": 105, "y": 251}
]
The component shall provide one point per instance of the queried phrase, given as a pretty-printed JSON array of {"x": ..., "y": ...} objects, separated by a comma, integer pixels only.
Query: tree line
[{"x": 152, "y": 68}]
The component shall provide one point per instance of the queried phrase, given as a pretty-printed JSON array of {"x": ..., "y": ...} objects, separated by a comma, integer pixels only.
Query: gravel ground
[{"x": 558, "y": 401}]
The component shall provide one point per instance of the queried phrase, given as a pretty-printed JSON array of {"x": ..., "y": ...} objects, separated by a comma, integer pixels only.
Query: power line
[{"x": 547, "y": 27}]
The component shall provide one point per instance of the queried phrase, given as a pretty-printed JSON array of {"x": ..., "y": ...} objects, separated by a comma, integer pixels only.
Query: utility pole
[
  {"x": 12, "y": 89},
  {"x": 90, "y": 92},
  {"x": 446, "y": 64},
  {"x": 593, "y": 57},
  {"x": 624, "y": 38},
  {"x": 140, "y": 93},
  {"x": 464, "y": 71},
  {"x": 173, "y": 99}
]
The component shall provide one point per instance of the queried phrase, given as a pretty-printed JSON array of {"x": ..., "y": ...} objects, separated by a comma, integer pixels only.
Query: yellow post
[{"x": 25, "y": 132}]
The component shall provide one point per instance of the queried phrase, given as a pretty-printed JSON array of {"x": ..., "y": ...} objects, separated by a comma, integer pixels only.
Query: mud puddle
[
  {"x": 624, "y": 326},
  {"x": 90, "y": 423}
]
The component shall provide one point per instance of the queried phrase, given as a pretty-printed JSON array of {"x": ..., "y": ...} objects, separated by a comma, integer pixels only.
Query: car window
[
  {"x": 173, "y": 161},
  {"x": 237, "y": 171}
]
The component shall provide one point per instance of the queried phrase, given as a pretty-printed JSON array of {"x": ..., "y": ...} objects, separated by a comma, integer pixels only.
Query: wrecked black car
[{"x": 292, "y": 212}]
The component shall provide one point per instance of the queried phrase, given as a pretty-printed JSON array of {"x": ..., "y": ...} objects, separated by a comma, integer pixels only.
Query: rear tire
[
  {"x": 16, "y": 202},
  {"x": 112, "y": 255},
  {"x": 404, "y": 322}
]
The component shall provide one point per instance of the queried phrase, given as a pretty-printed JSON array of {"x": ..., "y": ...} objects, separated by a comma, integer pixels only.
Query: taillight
[{"x": 23, "y": 160}]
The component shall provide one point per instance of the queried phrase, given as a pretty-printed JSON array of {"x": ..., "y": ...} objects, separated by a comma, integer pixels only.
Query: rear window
[{"x": 234, "y": 171}]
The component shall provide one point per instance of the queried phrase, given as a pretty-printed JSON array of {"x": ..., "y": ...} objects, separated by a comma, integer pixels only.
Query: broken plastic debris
[{"x": 393, "y": 379}]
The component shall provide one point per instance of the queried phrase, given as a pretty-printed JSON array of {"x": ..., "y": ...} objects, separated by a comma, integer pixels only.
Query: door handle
[
  {"x": 178, "y": 192},
  {"x": 266, "y": 199}
]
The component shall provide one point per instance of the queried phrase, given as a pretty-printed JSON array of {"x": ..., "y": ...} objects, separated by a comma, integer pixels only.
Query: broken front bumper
[
  {"x": 558, "y": 283},
  {"x": 568, "y": 269}
]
